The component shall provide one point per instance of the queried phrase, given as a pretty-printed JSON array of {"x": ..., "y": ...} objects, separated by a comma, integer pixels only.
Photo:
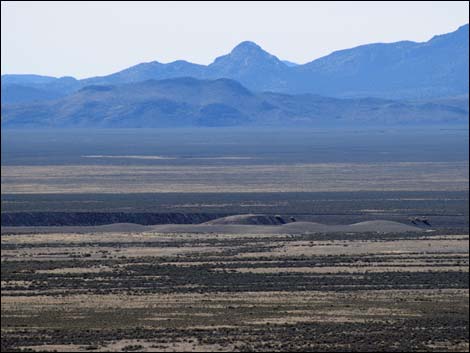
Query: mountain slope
[
  {"x": 223, "y": 102},
  {"x": 27, "y": 79},
  {"x": 435, "y": 68},
  {"x": 249, "y": 64},
  {"x": 149, "y": 71},
  {"x": 16, "y": 93},
  {"x": 30, "y": 88}
]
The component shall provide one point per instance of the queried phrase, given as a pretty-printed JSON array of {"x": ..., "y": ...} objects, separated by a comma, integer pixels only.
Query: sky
[{"x": 84, "y": 39}]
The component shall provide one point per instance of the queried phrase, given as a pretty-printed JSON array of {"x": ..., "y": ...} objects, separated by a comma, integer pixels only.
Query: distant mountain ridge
[
  {"x": 186, "y": 102},
  {"x": 402, "y": 70}
]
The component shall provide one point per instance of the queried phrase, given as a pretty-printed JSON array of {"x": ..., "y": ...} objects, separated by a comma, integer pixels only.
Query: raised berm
[
  {"x": 249, "y": 219},
  {"x": 238, "y": 224},
  {"x": 269, "y": 224}
]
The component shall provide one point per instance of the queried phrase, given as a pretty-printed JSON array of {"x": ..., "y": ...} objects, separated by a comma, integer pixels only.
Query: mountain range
[
  {"x": 395, "y": 81},
  {"x": 188, "y": 101}
]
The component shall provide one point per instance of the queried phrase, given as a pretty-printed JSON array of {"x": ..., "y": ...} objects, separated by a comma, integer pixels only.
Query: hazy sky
[{"x": 84, "y": 39}]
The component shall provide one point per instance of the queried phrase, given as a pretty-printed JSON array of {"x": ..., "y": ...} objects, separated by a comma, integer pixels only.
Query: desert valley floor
[{"x": 235, "y": 241}]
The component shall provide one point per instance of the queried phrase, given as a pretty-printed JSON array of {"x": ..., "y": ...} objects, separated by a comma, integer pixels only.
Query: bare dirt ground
[{"x": 149, "y": 291}]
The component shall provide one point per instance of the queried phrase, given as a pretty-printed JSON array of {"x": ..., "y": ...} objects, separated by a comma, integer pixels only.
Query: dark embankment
[
  {"x": 47, "y": 219},
  {"x": 250, "y": 219}
]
